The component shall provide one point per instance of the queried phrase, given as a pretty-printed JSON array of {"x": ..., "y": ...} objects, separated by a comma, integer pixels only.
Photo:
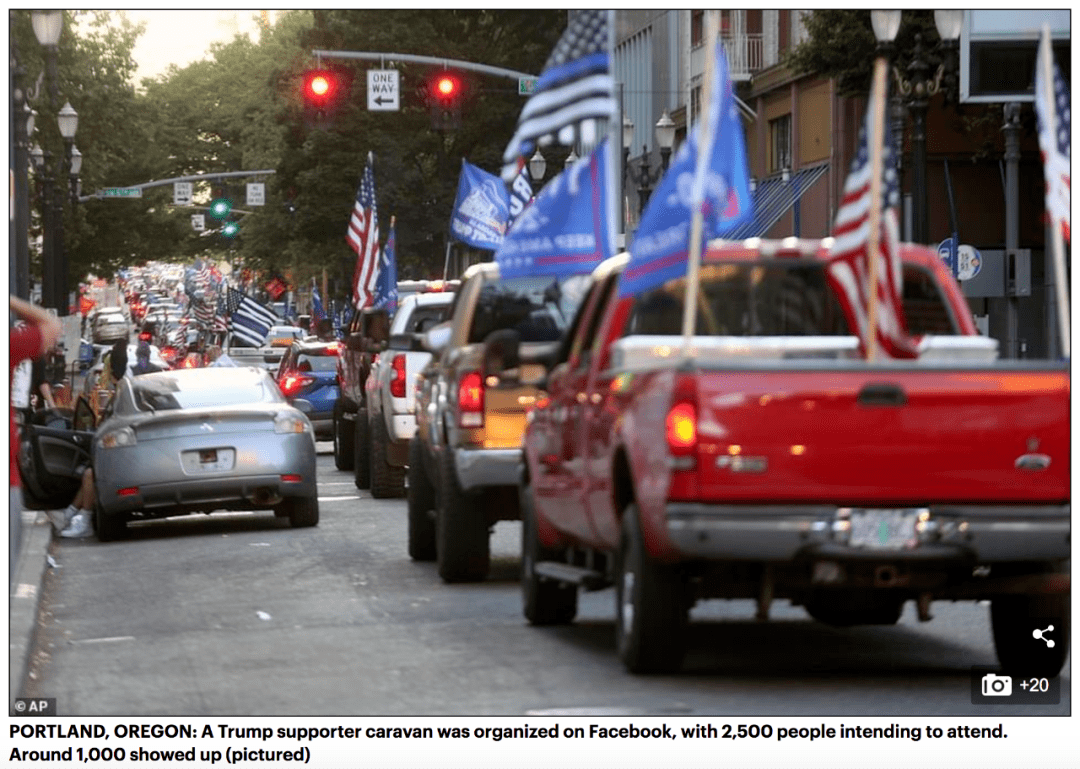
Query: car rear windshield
[
  {"x": 538, "y": 307},
  {"x": 423, "y": 318},
  {"x": 777, "y": 298},
  {"x": 157, "y": 393},
  {"x": 316, "y": 362}
]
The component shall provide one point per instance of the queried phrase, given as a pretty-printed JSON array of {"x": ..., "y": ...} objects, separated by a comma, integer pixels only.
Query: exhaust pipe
[
  {"x": 265, "y": 496},
  {"x": 885, "y": 576}
]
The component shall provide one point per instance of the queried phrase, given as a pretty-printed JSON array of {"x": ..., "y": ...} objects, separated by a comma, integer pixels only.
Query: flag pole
[
  {"x": 1061, "y": 286},
  {"x": 873, "y": 240},
  {"x": 697, "y": 217}
]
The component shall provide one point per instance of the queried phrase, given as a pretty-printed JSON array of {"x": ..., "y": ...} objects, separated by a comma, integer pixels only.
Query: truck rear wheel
[
  {"x": 421, "y": 503},
  {"x": 361, "y": 447},
  {"x": 546, "y": 601},
  {"x": 463, "y": 548},
  {"x": 343, "y": 438},
  {"x": 1015, "y": 619},
  {"x": 387, "y": 481},
  {"x": 651, "y": 607}
]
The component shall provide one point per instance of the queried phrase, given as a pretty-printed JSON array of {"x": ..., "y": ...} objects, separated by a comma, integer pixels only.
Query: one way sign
[{"x": 382, "y": 90}]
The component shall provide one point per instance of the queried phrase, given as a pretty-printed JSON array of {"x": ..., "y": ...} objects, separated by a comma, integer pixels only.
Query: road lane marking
[
  {"x": 335, "y": 499},
  {"x": 113, "y": 639}
]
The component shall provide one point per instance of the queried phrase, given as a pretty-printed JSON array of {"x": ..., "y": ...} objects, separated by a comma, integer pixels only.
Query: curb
[{"x": 25, "y": 596}]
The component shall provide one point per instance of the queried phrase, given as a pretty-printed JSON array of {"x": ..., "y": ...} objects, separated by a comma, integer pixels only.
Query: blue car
[{"x": 307, "y": 377}]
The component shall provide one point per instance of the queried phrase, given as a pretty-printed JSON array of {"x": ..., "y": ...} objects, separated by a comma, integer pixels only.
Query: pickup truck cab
[
  {"x": 465, "y": 460},
  {"x": 773, "y": 461},
  {"x": 391, "y": 394}
]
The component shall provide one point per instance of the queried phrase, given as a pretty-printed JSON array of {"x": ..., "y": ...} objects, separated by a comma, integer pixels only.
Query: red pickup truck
[{"x": 775, "y": 462}]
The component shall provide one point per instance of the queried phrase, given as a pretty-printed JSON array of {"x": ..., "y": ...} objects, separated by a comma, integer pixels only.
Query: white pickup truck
[{"x": 391, "y": 394}]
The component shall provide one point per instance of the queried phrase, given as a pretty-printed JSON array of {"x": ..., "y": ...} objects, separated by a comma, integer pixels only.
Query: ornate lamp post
[
  {"x": 68, "y": 121},
  {"x": 76, "y": 167},
  {"x": 537, "y": 167},
  {"x": 644, "y": 177},
  {"x": 22, "y": 127}
]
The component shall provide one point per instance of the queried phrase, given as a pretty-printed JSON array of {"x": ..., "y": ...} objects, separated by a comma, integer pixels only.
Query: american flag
[
  {"x": 849, "y": 258},
  {"x": 248, "y": 320},
  {"x": 575, "y": 89},
  {"x": 1055, "y": 148},
  {"x": 363, "y": 237}
]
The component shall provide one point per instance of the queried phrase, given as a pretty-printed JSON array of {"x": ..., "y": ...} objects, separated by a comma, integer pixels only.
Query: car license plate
[
  {"x": 208, "y": 460},
  {"x": 884, "y": 529}
]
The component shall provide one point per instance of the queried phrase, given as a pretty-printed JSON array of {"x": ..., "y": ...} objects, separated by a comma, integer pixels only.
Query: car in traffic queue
[
  {"x": 110, "y": 327},
  {"x": 93, "y": 373},
  {"x": 307, "y": 377},
  {"x": 186, "y": 441}
]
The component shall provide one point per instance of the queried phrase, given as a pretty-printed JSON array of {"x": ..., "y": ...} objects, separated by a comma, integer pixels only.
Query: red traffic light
[
  {"x": 446, "y": 87},
  {"x": 320, "y": 86}
]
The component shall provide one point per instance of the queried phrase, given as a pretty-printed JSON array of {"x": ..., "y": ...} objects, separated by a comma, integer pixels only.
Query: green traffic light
[
  {"x": 220, "y": 208},
  {"x": 230, "y": 229}
]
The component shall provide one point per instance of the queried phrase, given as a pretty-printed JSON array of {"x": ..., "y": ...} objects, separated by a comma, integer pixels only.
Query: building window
[
  {"x": 697, "y": 28},
  {"x": 780, "y": 144},
  {"x": 695, "y": 104}
]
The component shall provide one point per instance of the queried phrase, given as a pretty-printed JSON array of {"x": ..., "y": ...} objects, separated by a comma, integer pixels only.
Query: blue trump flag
[
  {"x": 318, "y": 313},
  {"x": 715, "y": 175},
  {"x": 481, "y": 210},
  {"x": 386, "y": 284},
  {"x": 569, "y": 228}
]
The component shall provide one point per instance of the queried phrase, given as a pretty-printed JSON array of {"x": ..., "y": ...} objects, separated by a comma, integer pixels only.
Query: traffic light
[
  {"x": 444, "y": 96},
  {"x": 321, "y": 88},
  {"x": 220, "y": 207},
  {"x": 230, "y": 229}
]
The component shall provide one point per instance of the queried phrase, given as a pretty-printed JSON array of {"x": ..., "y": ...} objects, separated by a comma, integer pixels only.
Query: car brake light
[
  {"x": 334, "y": 348},
  {"x": 293, "y": 384},
  {"x": 144, "y": 336},
  {"x": 681, "y": 433},
  {"x": 397, "y": 384},
  {"x": 471, "y": 400},
  {"x": 130, "y": 491}
]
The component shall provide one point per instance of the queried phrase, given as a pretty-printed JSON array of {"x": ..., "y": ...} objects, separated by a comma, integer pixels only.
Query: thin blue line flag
[
  {"x": 568, "y": 229},
  {"x": 660, "y": 248}
]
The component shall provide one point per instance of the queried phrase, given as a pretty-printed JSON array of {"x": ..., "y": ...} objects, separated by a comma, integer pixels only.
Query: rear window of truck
[{"x": 539, "y": 308}]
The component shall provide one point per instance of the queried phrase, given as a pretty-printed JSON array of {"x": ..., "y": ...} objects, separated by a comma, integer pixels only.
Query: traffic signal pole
[
  {"x": 433, "y": 60},
  {"x": 196, "y": 178}
]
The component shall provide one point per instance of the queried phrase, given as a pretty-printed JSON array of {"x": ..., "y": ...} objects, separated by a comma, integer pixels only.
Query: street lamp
[
  {"x": 916, "y": 90},
  {"x": 570, "y": 159},
  {"x": 22, "y": 129},
  {"x": 537, "y": 167},
  {"x": 644, "y": 177},
  {"x": 76, "y": 167},
  {"x": 665, "y": 138}
]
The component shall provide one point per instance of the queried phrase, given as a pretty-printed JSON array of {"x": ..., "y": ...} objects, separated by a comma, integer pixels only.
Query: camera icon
[{"x": 994, "y": 685}]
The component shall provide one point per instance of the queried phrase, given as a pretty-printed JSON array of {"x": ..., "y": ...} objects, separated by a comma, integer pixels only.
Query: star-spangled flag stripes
[
  {"x": 363, "y": 237},
  {"x": 249, "y": 321},
  {"x": 849, "y": 258},
  {"x": 1055, "y": 149},
  {"x": 575, "y": 89}
]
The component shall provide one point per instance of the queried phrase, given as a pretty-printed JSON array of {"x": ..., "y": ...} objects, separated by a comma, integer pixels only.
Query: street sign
[
  {"x": 968, "y": 262},
  {"x": 182, "y": 193},
  {"x": 121, "y": 192},
  {"x": 527, "y": 85},
  {"x": 947, "y": 251},
  {"x": 383, "y": 93},
  {"x": 198, "y": 222},
  {"x": 256, "y": 194}
]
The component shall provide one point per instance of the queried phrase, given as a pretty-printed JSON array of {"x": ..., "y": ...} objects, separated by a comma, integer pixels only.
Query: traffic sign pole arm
[
  {"x": 445, "y": 63},
  {"x": 197, "y": 177}
]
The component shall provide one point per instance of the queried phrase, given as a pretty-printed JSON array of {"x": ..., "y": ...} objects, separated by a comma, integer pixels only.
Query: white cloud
[{"x": 182, "y": 36}]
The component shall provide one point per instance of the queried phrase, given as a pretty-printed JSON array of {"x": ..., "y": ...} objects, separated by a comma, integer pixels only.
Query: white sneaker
[
  {"x": 60, "y": 519},
  {"x": 79, "y": 526}
]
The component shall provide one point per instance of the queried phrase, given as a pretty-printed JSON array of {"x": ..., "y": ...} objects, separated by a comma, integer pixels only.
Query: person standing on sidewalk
[{"x": 28, "y": 341}]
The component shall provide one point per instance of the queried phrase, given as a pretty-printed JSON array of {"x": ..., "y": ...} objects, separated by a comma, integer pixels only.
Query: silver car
[{"x": 199, "y": 440}]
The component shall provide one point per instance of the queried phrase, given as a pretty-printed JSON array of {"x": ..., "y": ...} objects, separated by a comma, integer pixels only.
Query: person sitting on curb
[{"x": 76, "y": 521}]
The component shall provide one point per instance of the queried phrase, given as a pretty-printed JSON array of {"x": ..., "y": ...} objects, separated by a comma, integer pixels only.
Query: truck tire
[
  {"x": 387, "y": 481},
  {"x": 545, "y": 601},
  {"x": 361, "y": 448},
  {"x": 301, "y": 511},
  {"x": 462, "y": 544},
  {"x": 109, "y": 527},
  {"x": 1014, "y": 618},
  {"x": 651, "y": 607},
  {"x": 421, "y": 503},
  {"x": 343, "y": 438}
]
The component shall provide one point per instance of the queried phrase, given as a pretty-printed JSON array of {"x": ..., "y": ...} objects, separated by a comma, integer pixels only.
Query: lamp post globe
[
  {"x": 68, "y": 120},
  {"x": 537, "y": 167},
  {"x": 47, "y": 26}
]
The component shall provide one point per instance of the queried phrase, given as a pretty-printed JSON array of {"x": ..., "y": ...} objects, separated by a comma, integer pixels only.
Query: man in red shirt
[{"x": 30, "y": 340}]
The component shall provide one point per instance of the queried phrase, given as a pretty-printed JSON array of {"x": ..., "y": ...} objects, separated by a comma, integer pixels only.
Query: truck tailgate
[{"x": 883, "y": 436}]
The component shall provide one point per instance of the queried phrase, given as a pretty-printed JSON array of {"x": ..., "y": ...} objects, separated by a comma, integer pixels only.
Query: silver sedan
[{"x": 198, "y": 440}]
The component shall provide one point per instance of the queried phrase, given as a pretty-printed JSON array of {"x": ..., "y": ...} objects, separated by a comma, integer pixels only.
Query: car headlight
[
  {"x": 123, "y": 436},
  {"x": 291, "y": 423}
]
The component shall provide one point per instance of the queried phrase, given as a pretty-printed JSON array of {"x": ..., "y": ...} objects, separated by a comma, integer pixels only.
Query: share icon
[{"x": 1036, "y": 633}]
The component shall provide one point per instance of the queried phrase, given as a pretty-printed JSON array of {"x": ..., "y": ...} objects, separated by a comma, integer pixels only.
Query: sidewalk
[{"x": 25, "y": 589}]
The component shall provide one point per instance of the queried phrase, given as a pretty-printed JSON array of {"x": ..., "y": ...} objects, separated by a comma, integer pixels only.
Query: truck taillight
[
  {"x": 397, "y": 384},
  {"x": 682, "y": 435},
  {"x": 471, "y": 400}
]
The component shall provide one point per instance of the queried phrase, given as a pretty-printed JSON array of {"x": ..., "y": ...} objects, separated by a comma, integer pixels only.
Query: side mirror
[
  {"x": 84, "y": 415},
  {"x": 438, "y": 338}
]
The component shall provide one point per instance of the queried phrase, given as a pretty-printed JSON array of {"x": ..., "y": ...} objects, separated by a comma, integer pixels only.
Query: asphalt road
[{"x": 238, "y": 614}]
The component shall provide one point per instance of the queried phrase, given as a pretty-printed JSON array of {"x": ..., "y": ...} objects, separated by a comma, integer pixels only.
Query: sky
[{"x": 183, "y": 36}]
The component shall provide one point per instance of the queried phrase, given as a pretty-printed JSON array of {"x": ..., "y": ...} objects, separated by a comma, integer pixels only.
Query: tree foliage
[{"x": 240, "y": 109}]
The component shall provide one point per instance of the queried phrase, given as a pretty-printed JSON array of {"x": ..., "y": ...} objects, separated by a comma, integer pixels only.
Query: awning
[{"x": 772, "y": 198}]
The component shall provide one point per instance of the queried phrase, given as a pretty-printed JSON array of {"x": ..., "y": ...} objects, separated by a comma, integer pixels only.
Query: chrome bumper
[
  {"x": 478, "y": 468},
  {"x": 782, "y": 532}
]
